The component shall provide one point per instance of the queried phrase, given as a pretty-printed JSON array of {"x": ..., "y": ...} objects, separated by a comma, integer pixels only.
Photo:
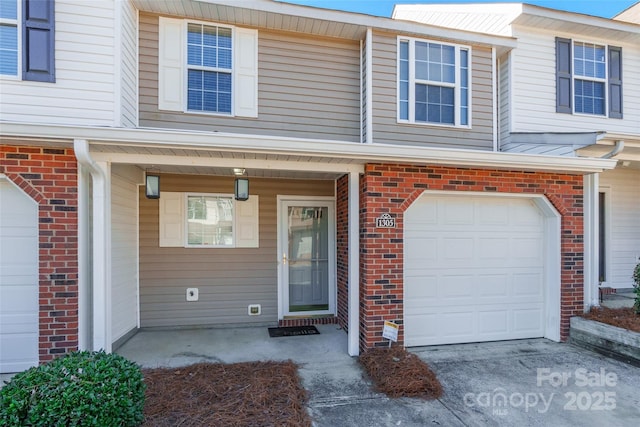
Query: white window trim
[
  {"x": 574, "y": 76},
  {"x": 18, "y": 24},
  {"x": 172, "y": 69},
  {"x": 234, "y": 239},
  {"x": 412, "y": 83},
  {"x": 232, "y": 71}
]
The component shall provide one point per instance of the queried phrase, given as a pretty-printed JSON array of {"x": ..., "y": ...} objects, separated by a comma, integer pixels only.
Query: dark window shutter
[
  {"x": 615, "y": 82},
  {"x": 38, "y": 40},
  {"x": 563, "y": 76}
]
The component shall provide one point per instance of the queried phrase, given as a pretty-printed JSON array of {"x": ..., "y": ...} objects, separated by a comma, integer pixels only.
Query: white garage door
[
  {"x": 18, "y": 279},
  {"x": 474, "y": 270}
]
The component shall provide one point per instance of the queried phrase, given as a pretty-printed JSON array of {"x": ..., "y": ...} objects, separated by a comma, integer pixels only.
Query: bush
[
  {"x": 636, "y": 288},
  {"x": 79, "y": 389}
]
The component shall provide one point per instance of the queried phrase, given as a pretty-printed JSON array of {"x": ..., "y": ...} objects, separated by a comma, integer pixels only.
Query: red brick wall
[
  {"x": 49, "y": 176},
  {"x": 391, "y": 188},
  {"x": 342, "y": 245}
]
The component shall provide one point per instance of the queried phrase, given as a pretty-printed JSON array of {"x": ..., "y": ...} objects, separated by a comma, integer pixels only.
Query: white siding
[
  {"x": 623, "y": 224},
  {"x": 533, "y": 105},
  {"x": 129, "y": 65},
  {"x": 84, "y": 89},
  {"x": 124, "y": 249},
  {"x": 504, "y": 98}
]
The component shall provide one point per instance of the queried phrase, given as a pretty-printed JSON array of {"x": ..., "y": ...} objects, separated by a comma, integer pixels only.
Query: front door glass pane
[{"x": 308, "y": 258}]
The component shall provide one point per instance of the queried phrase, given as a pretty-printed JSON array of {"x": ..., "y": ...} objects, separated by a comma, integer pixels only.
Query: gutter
[
  {"x": 616, "y": 150},
  {"x": 318, "y": 148}
]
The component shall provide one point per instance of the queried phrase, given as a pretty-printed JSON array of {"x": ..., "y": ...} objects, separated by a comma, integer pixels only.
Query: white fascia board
[
  {"x": 362, "y": 153},
  {"x": 367, "y": 21},
  {"x": 579, "y": 18}
]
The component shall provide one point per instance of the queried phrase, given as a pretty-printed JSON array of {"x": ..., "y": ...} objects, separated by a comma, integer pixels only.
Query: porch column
[
  {"x": 591, "y": 241},
  {"x": 353, "y": 345}
]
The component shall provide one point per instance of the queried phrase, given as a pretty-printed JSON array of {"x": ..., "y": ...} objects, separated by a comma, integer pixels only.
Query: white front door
[
  {"x": 18, "y": 279},
  {"x": 307, "y": 252}
]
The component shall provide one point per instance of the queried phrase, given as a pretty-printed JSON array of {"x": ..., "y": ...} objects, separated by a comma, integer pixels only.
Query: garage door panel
[
  {"x": 455, "y": 212},
  {"x": 18, "y": 279},
  {"x": 487, "y": 280},
  {"x": 529, "y": 285},
  {"x": 493, "y": 322},
  {"x": 420, "y": 288},
  {"x": 421, "y": 250},
  {"x": 456, "y": 250}
]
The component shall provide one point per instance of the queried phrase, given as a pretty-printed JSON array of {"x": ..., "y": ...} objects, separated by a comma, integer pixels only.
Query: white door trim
[
  {"x": 281, "y": 243},
  {"x": 552, "y": 251}
]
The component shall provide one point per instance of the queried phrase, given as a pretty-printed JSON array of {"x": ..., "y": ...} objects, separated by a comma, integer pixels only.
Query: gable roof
[{"x": 499, "y": 19}]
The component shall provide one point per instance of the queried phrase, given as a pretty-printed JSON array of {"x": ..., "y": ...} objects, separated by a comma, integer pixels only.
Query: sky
[{"x": 602, "y": 8}]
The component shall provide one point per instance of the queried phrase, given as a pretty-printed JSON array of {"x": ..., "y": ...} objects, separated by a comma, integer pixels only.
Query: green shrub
[
  {"x": 636, "y": 288},
  {"x": 79, "y": 389}
]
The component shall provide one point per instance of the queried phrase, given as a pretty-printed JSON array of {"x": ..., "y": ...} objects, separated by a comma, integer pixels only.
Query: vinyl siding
[
  {"x": 534, "y": 91},
  {"x": 124, "y": 250},
  {"x": 387, "y": 130},
  {"x": 129, "y": 66},
  {"x": 308, "y": 87},
  {"x": 228, "y": 279},
  {"x": 623, "y": 225},
  {"x": 504, "y": 98},
  {"x": 83, "y": 93}
]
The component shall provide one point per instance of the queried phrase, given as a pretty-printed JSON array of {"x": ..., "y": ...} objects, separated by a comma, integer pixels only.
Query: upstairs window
[
  {"x": 9, "y": 37},
  {"x": 433, "y": 83},
  {"x": 207, "y": 68},
  {"x": 588, "y": 78},
  {"x": 27, "y": 40}
]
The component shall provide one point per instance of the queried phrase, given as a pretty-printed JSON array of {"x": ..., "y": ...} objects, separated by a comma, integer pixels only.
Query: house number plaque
[{"x": 385, "y": 221}]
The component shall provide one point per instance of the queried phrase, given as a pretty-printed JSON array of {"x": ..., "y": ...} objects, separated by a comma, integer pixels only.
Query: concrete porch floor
[
  {"x": 181, "y": 347},
  {"x": 622, "y": 298}
]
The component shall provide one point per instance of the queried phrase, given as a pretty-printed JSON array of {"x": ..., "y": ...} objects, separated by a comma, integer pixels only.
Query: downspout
[
  {"x": 616, "y": 150},
  {"x": 100, "y": 309}
]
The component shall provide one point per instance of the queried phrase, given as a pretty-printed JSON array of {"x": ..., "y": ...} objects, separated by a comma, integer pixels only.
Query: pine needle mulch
[
  {"x": 398, "y": 373},
  {"x": 215, "y": 394},
  {"x": 624, "y": 317}
]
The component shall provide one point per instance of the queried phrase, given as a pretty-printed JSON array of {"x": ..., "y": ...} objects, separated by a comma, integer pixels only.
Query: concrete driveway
[{"x": 512, "y": 383}]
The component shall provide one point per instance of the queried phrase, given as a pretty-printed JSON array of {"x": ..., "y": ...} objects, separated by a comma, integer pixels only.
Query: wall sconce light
[
  {"x": 242, "y": 189},
  {"x": 152, "y": 186}
]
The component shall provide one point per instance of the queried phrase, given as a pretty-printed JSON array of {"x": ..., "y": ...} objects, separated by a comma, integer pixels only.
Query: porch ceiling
[{"x": 221, "y": 163}]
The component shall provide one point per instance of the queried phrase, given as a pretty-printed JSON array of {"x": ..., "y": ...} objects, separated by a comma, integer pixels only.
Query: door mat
[{"x": 293, "y": 331}]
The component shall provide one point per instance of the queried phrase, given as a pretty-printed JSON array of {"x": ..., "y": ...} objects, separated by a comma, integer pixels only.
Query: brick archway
[
  {"x": 391, "y": 188},
  {"x": 49, "y": 176}
]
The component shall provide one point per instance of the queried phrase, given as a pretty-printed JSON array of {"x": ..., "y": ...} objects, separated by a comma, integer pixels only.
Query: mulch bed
[
  {"x": 620, "y": 317},
  {"x": 398, "y": 373},
  {"x": 239, "y": 394}
]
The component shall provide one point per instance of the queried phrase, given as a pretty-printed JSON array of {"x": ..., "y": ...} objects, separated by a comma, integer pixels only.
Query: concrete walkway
[
  {"x": 622, "y": 298},
  {"x": 510, "y": 383}
]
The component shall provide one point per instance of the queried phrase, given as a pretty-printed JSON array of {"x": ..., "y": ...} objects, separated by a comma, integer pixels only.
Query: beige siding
[
  {"x": 129, "y": 71},
  {"x": 228, "y": 279},
  {"x": 387, "y": 130},
  {"x": 307, "y": 87}
]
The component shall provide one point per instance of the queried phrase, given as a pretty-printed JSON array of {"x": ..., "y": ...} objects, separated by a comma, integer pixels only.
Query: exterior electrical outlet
[
  {"x": 254, "y": 310},
  {"x": 192, "y": 294}
]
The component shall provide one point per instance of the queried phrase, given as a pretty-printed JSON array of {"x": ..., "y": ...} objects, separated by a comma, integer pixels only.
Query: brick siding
[
  {"x": 49, "y": 176},
  {"x": 392, "y": 188}
]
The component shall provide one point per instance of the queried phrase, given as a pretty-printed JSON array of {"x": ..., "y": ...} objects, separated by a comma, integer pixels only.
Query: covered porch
[{"x": 149, "y": 270}]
